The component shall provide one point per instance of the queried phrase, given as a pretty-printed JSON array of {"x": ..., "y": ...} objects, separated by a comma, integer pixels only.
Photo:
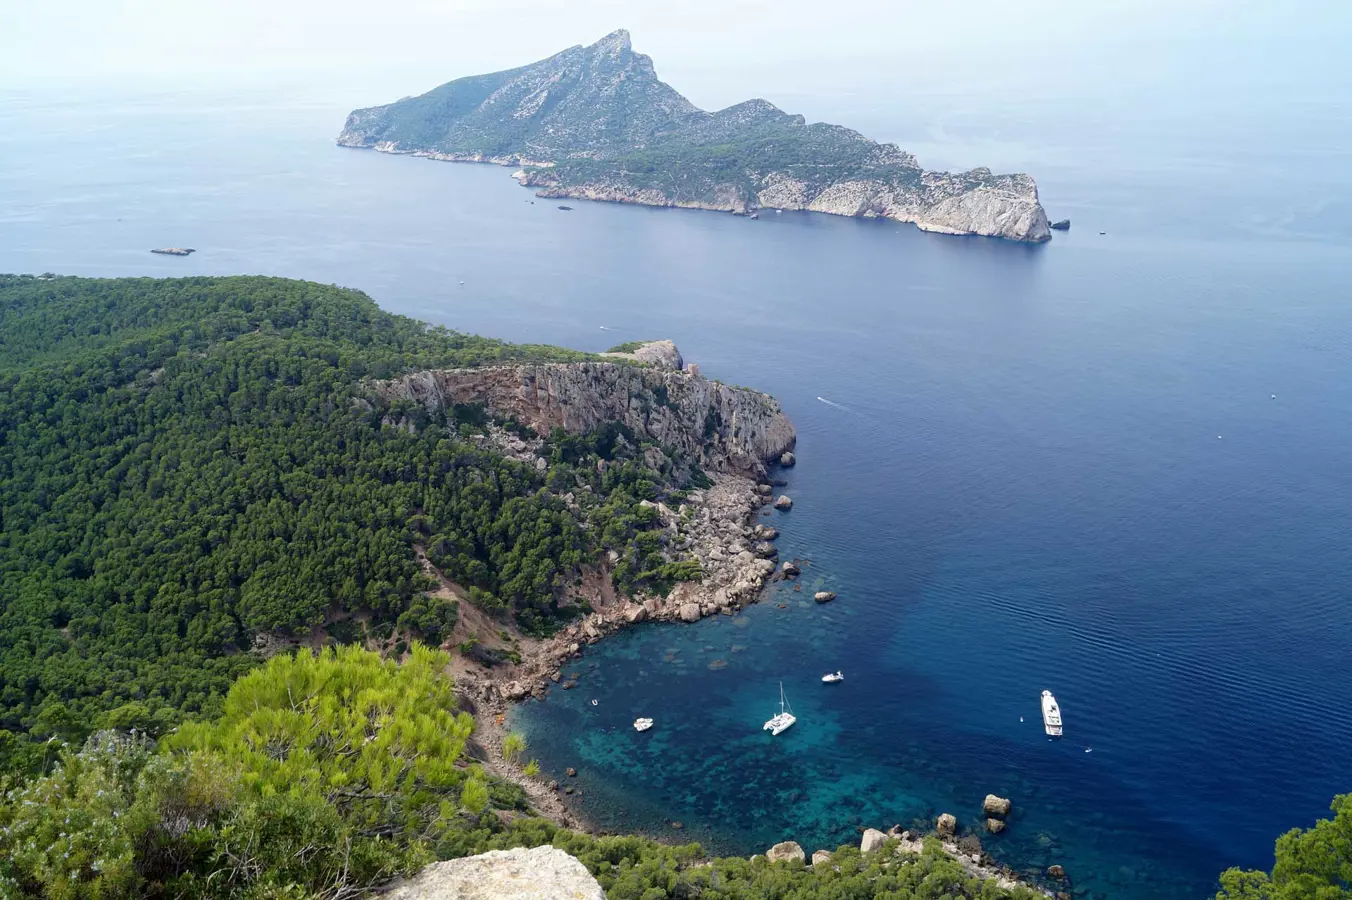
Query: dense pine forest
[{"x": 188, "y": 466}]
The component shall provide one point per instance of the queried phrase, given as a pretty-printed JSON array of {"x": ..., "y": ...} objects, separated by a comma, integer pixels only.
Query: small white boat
[
  {"x": 784, "y": 719},
  {"x": 1051, "y": 714},
  {"x": 833, "y": 678},
  {"x": 643, "y": 724}
]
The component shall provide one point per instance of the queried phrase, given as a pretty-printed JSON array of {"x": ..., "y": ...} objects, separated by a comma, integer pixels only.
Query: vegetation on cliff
[
  {"x": 190, "y": 465},
  {"x": 326, "y": 775},
  {"x": 1311, "y": 864}
]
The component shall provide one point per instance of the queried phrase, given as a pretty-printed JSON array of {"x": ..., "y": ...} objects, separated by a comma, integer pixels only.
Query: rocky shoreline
[
  {"x": 732, "y": 550},
  {"x": 974, "y": 203}
]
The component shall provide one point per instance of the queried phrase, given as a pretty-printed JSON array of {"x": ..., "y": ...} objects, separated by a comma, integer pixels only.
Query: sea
[{"x": 1114, "y": 466}]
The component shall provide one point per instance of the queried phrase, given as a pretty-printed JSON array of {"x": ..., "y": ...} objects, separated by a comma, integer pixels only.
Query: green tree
[
  {"x": 513, "y": 745},
  {"x": 1311, "y": 864}
]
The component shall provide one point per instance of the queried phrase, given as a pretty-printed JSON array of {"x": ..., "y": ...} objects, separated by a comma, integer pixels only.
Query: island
[{"x": 596, "y": 123}]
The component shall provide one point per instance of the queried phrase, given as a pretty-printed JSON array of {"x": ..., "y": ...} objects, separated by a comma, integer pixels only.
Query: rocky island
[{"x": 596, "y": 123}]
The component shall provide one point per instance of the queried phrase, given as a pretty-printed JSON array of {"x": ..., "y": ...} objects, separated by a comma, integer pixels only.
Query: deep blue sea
[{"x": 1115, "y": 466}]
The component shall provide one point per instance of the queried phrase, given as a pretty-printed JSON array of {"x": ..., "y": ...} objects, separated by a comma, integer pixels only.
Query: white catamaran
[
  {"x": 1051, "y": 714},
  {"x": 784, "y": 719}
]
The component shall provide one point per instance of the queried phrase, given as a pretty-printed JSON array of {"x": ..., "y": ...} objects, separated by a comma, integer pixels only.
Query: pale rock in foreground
[
  {"x": 541, "y": 873},
  {"x": 872, "y": 840},
  {"x": 786, "y": 851}
]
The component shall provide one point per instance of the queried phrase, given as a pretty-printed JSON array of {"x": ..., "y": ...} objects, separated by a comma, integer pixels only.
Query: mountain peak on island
[
  {"x": 618, "y": 40},
  {"x": 595, "y": 122}
]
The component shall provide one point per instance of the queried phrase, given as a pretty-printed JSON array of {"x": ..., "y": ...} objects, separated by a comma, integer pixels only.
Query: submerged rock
[
  {"x": 540, "y": 873},
  {"x": 1056, "y": 872},
  {"x": 786, "y": 851},
  {"x": 995, "y": 826}
]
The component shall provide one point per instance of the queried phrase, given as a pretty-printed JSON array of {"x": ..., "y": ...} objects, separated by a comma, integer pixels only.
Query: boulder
[
  {"x": 764, "y": 489},
  {"x": 824, "y": 596},
  {"x": 996, "y": 807},
  {"x": 995, "y": 826},
  {"x": 784, "y": 502},
  {"x": 765, "y": 532},
  {"x": 765, "y": 550},
  {"x": 570, "y": 772},
  {"x": 689, "y": 612},
  {"x": 539, "y": 873},
  {"x": 873, "y": 839},
  {"x": 634, "y": 614},
  {"x": 948, "y": 825},
  {"x": 1063, "y": 225},
  {"x": 786, "y": 851},
  {"x": 821, "y": 857},
  {"x": 787, "y": 459},
  {"x": 790, "y": 570},
  {"x": 1056, "y": 872}
]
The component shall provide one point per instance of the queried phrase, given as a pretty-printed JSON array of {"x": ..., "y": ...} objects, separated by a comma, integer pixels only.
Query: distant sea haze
[{"x": 1008, "y": 462}]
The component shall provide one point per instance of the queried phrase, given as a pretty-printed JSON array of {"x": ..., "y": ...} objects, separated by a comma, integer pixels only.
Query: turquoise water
[{"x": 1041, "y": 467}]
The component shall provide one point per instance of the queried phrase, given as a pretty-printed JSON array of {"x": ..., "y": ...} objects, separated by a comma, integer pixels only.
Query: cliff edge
[{"x": 727, "y": 429}]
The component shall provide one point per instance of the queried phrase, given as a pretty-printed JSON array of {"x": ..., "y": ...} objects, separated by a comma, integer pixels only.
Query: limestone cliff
[
  {"x": 596, "y": 123},
  {"x": 727, "y": 429}
]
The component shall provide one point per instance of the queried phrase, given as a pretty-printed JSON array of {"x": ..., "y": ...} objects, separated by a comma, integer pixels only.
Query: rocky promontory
[
  {"x": 597, "y": 123},
  {"x": 728, "y": 429}
]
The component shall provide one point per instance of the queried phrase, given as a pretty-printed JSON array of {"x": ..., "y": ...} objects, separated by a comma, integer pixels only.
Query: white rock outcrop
[{"x": 540, "y": 873}]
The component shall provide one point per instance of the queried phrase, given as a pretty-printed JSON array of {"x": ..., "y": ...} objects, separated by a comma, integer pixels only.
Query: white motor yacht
[
  {"x": 1051, "y": 714},
  {"x": 643, "y": 724},
  {"x": 833, "y": 678}
]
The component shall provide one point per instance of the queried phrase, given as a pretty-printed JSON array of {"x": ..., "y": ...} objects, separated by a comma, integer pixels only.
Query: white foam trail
[
  {"x": 604, "y": 328},
  {"x": 835, "y": 404}
]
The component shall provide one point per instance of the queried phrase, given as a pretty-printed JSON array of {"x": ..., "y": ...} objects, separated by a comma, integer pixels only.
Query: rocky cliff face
[
  {"x": 541, "y": 873},
  {"x": 978, "y": 203},
  {"x": 596, "y": 123},
  {"x": 728, "y": 429}
]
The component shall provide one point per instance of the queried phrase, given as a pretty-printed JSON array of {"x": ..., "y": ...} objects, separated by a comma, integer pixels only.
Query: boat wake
[{"x": 835, "y": 404}]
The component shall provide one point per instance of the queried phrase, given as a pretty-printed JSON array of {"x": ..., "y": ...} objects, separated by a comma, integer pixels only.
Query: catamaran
[
  {"x": 643, "y": 724},
  {"x": 1051, "y": 714},
  {"x": 784, "y": 719},
  {"x": 833, "y": 678}
]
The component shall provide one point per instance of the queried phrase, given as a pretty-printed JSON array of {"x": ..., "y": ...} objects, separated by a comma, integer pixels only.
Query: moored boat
[
  {"x": 1051, "y": 714},
  {"x": 833, "y": 677},
  {"x": 784, "y": 719}
]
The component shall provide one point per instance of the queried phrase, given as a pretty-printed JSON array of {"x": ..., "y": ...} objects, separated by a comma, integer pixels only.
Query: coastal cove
[{"x": 1019, "y": 467}]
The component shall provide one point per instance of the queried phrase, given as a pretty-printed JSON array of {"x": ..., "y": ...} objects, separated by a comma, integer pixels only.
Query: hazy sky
[{"x": 716, "y": 51}]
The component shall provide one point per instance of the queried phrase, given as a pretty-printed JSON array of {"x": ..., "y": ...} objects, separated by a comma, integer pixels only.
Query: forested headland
[{"x": 190, "y": 465}]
